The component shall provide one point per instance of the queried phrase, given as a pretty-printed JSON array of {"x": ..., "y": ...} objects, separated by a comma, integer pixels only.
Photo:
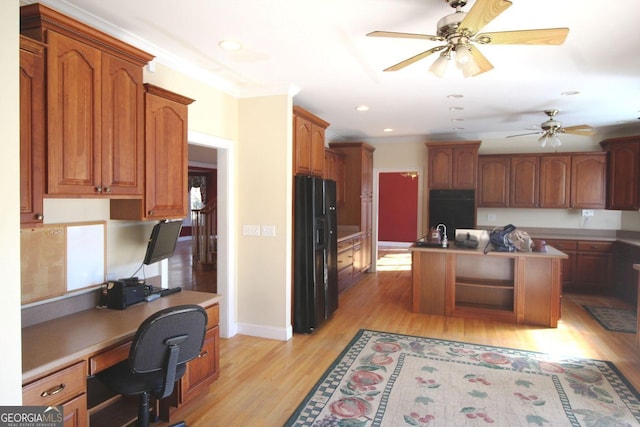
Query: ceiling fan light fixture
[
  {"x": 543, "y": 140},
  {"x": 463, "y": 54},
  {"x": 439, "y": 66},
  {"x": 554, "y": 141}
]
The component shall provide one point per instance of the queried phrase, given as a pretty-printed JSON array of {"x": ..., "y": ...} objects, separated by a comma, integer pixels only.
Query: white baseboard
[
  {"x": 269, "y": 332},
  {"x": 394, "y": 244}
]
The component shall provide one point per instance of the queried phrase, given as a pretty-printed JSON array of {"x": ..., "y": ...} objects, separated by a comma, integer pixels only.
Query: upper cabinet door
[
  {"x": 32, "y": 131},
  {"x": 465, "y": 167},
  {"x": 524, "y": 181},
  {"x": 623, "y": 185},
  {"x": 74, "y": 125},
  {"x": 440, "y": 167},
  {"x": 122, "y": 127},
  {"x": 302, "y": 149},
  {"x": 555, "y": 176},
  {"x": 493, "y": 181},
  {"x": 588, "y": 180}
]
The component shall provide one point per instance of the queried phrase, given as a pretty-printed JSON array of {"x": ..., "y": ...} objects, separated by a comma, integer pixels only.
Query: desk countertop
[{"x": 51, "y": 345}]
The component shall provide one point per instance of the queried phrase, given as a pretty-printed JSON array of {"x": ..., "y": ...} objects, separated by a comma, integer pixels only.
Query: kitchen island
[{"x": 515, "y": 287}]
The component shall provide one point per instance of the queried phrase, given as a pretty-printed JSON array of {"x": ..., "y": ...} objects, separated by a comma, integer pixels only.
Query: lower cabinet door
[{"x": 203, "y": 370}]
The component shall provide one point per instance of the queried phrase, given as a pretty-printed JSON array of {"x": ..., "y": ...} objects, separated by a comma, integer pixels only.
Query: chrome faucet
[{"x": 443, "y": 231}]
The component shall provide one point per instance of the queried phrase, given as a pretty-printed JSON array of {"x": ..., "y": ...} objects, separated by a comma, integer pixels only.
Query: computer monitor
[{"x": 162, "y": 242}]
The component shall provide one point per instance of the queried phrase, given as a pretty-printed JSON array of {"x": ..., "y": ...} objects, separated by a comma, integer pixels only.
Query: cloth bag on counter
[{"x": 509, "y": 239}]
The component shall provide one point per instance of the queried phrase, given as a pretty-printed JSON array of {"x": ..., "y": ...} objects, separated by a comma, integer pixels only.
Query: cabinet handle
[
  {"x": 39, "y": 217},
  {"x": 203, "y": 354},
  {"x": 150, "y": 213},
  {"x": 55, "y": 390},
  {"x": 99, "y": 189},
  {"x": 107, "y": 189}
]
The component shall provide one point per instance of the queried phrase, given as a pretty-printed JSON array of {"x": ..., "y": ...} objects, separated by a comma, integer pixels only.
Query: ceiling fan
[
  {"x": 551, "y": 128},
  {"x": 459, "y": 31}
]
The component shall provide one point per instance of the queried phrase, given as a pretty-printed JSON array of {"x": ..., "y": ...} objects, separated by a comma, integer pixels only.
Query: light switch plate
[
  {"x": 269, "y": 230},
  {"x": 250, "y": 230}
]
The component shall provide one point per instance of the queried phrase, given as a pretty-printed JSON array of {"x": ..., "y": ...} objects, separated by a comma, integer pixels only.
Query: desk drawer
[
  {"x": 56, "y": 388},
  {"x": 213, "y": 315},
  {"x": 108, "y": 358}
]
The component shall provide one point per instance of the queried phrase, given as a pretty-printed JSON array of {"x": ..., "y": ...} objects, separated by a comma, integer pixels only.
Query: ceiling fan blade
[
  {"x": 582, "y": 130},
  {"x": 481, "y": 61},
  {"x": 547, "y": 36},
  {"x": 523, "y": 134},
  {"x": 483, "y": 12},
  {"x": 404, "y": 35},
  {"x": 416, "y": 58}
]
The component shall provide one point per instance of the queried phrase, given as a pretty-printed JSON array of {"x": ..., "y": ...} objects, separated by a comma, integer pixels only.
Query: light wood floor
[{"x": 263, "y": 381}]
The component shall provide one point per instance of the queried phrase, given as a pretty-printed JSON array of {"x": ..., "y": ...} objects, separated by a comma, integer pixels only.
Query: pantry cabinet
[
  {"x": 94, "y": 107},
  {"x": 32, "y": 131},
  {"x": 358, "y": 207}
]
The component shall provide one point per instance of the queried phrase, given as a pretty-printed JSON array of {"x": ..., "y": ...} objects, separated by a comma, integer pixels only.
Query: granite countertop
[{"x": 347, "y": 232}]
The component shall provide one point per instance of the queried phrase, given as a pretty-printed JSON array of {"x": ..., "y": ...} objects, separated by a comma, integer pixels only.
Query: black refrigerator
[{"x": 315, "y": 276}]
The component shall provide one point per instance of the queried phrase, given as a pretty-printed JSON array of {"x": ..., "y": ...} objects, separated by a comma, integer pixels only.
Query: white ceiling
[{"x": 320, "y": 48}]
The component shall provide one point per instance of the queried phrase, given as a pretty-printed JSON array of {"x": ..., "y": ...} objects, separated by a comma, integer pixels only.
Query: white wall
[
  {"x": 11, "y": 372},
  {"x": 264, "y": 198}
]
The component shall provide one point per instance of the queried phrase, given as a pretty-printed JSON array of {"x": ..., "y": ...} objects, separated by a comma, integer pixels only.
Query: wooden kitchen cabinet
[
  {"x": 493, "y": 181},
  {"x": 593, "y": 267},
  {"x": 569, "y": 265},
  {"x": 166, "y": 162},
  {"x": 201, "y": 371},
  {"x": 308, "y": 143},
  {"x": 66, "y": 387},
  {"x": 525, "y": 177},
  {"x": 94, "y": 107},
  {"x": 358, "y": 207},
  {"x": 555, "y": 181},
  {"x": 623, "y": 172},
  {"x": 625, "y": 277},
  {"x": 452, "y": 165},
  {"x": 32, "y": 131},
  {"x": 334, "y": 169},
  {"x": 588, "y": 180}
]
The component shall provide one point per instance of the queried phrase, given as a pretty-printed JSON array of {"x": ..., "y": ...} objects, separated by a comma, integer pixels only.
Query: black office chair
[{"x": 162, "y": 346}]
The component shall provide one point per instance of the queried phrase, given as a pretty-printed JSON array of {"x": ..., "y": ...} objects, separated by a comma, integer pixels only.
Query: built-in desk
[{"x": 59, "y": 355}]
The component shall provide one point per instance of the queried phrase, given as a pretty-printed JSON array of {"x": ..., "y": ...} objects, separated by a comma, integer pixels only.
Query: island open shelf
[{"x": 516, "y": 287}]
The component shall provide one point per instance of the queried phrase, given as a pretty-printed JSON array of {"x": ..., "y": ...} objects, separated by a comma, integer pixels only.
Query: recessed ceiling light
[
  {"x": 457, "y": 120},
  {"x": 362, "y": 108},
  {"x": 455, "y": 95},
  {"x": 230, "y": 44},
  {"x": 388, "y": 130},
  {"x": 456, "y": 128},
  {"x": 456, "y": 108},
  {"x": 570, "y": 92}
]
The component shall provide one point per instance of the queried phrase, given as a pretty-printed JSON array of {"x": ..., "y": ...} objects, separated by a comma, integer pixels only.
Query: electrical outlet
[
  {"x": 491, "y": 217},
  {"x": 588, "y": 213}
]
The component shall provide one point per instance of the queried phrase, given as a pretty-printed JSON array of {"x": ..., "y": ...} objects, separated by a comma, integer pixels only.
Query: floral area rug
[
  {"x": 384, "y": 379},
  {"x": 614, "y": 319}
]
